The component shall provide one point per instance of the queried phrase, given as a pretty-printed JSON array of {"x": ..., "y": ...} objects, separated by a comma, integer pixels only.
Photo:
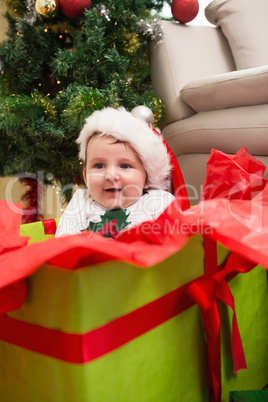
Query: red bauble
[
  {"x": 184, "y": 10},
  {"x": 74, "y": 8}
]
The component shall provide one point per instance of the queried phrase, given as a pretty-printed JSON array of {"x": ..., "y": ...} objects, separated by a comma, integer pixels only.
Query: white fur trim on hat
[{"x": 123, "y": 126}]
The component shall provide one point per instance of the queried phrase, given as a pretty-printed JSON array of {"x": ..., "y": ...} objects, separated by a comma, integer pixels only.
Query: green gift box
[{"x": 115, "y": 332}]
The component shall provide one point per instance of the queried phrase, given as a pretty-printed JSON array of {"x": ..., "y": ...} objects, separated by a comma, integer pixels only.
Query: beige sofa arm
[{"x": 233, "y": 89}]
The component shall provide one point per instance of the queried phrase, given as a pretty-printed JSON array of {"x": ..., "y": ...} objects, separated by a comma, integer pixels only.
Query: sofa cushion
[
  {"x": 244, "y": 23},
  {"x": 227, "y": 130},
  {"x": 236, "y": 88}
]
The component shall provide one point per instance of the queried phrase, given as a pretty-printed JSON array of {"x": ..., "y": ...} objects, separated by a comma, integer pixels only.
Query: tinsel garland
[
  {"x": 151, "y": 28},
  {"x": 31, "y": 15},
  {"x": 103, "y": 10},
  {"x": 31, "y": 199}
]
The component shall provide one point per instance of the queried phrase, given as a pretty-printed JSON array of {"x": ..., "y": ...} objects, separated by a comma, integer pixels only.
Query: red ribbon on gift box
[
  {"x": 49, "y": 226},
  {"x": 206, "y": 291}
]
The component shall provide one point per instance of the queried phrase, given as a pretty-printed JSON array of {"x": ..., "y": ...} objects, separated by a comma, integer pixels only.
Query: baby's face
[{"x": 113, "y": 174}]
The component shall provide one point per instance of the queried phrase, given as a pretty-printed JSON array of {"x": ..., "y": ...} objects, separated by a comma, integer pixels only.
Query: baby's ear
[
  {"x": 85, "y": 175},
  {"x": 145, "y": 187}
]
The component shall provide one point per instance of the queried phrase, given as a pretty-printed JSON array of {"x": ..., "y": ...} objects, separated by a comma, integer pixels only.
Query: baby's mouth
[{"x": 113, "y": 190}]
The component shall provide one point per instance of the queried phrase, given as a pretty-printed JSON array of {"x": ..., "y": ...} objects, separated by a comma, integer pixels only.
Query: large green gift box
[{"x": 116, "y": 332}]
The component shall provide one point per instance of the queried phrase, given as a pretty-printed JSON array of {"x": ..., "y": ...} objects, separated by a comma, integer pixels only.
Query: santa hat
[{"x": 123, "y": 126}]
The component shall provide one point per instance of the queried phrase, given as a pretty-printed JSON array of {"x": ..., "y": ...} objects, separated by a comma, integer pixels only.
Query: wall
[{"x": 3, "y": 22}]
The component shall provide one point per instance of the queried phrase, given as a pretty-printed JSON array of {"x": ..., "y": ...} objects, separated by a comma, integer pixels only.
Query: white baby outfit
[{"x": 82, "y": 213}]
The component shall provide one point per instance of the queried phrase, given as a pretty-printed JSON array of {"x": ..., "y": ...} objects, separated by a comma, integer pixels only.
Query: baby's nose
[{"x": 111, "y": 174}]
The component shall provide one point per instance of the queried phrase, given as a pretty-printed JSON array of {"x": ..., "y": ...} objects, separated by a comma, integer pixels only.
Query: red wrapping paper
[
  {"x": 238, "y": 176},
  {"x": 239, "y": 224},
  {"x": 10, "y": 217}
]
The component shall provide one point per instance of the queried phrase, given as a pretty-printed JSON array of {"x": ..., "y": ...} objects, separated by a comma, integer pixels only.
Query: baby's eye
[
  {"x": 125, "y": 166},
  {"x": 98, "y": 165}
]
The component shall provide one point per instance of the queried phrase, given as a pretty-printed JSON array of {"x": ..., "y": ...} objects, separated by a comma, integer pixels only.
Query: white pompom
[{"x": 143, "y": 113}]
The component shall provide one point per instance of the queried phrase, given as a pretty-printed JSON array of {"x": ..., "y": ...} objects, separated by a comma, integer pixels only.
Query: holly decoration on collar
[{"x": 111, "y": 224}]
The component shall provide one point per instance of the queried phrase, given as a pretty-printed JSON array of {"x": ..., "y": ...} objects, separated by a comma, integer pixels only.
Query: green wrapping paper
[{"x": 167, "y": 363}]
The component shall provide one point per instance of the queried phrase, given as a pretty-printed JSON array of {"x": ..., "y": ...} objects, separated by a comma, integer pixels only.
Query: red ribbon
[
  {"x": 206, "y": 291},
  {"x": 83, "y": 348},
  {"x": 49, "y": 226}
]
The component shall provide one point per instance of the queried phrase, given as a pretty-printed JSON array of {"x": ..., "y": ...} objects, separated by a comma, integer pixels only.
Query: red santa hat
[{"x": 123, "y": 126}]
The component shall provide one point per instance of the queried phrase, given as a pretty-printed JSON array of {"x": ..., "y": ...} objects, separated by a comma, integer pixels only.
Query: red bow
[{"x": 206, "y": 292}]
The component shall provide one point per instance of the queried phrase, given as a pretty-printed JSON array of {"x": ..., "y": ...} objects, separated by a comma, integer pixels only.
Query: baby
[{"x": 126, "y": 171}]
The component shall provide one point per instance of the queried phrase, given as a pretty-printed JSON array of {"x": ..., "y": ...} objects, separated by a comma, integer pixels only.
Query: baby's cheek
[{"x": 94, "y": 181}]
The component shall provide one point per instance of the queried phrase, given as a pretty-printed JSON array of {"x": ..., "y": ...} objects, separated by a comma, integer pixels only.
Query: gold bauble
[{"x": 47, "y": 8}]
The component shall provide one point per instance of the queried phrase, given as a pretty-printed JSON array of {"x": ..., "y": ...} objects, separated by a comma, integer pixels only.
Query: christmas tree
[{"x": 62, "y": 60}]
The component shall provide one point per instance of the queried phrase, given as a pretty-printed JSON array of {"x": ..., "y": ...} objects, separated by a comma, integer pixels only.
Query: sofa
[{"x": 213, "y": 81}]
